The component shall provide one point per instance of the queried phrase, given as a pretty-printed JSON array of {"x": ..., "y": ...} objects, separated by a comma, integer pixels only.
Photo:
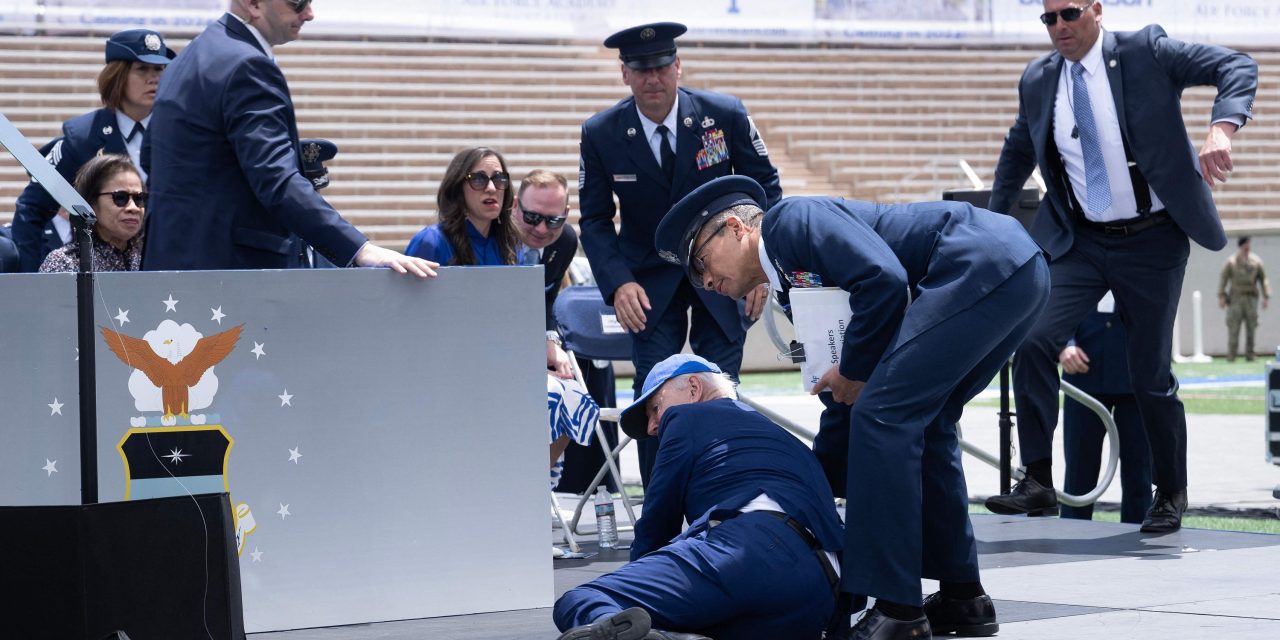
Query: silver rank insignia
[
  {"x": 631, "y": 133},
  {"x": 669, "y": 257},
  {"x": 708, "y": 122},
  {"x": 152, "y": 42},
  {"x": 106, "y": 131}
]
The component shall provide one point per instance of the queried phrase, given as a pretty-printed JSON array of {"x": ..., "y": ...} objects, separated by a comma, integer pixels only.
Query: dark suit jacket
[
  {"x": 83, "y": 137},
  {"x": 224, "y": 161},
  {"x": 556, "y": 258},
  {"x": 719, "y": 455},
  {"x": 1148, "y": 71},
  {"x": 616, "y": 159},
  {"x": 948, "y": 255}
]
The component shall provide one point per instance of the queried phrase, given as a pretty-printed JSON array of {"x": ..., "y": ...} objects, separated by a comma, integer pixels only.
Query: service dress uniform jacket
[
  {"x": 940, "y": 296},
  {"x": 1147, "y": 72},
  {"x": 225, "y": 165},
  {"x": 83, "y": 137},
  {"x": 750, "y": 576}
]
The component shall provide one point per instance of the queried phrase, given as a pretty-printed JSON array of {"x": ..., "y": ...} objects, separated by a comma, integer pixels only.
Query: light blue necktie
[
  {"x": 1097, "y": 186},
  {"x": 530, "y": 257}
]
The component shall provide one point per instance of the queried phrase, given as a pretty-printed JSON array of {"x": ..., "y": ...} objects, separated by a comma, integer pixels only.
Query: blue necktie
[{"x": 1097, "y": 186}]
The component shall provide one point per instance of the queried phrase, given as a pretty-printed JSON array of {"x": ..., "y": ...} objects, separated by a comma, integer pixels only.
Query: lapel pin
[
  {"x": 631, "y": 133},
  {"x": 688, "y": 122},
  {"x": 708, "y": 122},
  {"x": 1113, "y": 63},
  {"x": 106, "y": 131}
]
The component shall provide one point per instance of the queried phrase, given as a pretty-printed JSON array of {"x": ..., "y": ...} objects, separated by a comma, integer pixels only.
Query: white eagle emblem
[{"x": 152, "y": 42}]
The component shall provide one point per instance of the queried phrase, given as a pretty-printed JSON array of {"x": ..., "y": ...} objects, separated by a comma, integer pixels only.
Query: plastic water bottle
[{"x": 606, "y": 523}]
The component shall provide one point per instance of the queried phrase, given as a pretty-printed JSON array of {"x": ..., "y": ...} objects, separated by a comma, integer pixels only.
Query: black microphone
[{"x": 1075, "y": 132}]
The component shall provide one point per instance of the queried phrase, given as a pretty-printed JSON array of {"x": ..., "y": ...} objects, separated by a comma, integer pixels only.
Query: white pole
[
  {"x": 1197, "y": 320},
  {"x": 1177, "y": 341}
]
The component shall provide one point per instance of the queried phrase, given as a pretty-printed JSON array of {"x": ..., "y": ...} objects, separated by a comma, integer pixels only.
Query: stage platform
[{"x": 1051, "y": 578}]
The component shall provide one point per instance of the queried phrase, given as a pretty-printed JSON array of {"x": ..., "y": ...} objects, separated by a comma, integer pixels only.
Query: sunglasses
[
  {"x": 699, "y": 266},
  {"x": 299, "y": 5},
  {"x": 121, "y": 198},
  {"x": 533, "y": 219},
  {"x": 1070, "y": 14},
  {"x": 478, "y": 180}
]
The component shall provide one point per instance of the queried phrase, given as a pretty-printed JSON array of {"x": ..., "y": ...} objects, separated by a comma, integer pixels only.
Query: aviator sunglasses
[
  {"x": 533, "y": 219},
  {"x": 1070, "y": 14},
  {"x": 478, "y": 180},
  {"x": 121, "y": 198},
  {"x": 299, "y": 5}
]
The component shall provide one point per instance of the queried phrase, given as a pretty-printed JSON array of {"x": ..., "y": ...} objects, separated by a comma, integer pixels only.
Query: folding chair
[{"x": 590, "y": 330}]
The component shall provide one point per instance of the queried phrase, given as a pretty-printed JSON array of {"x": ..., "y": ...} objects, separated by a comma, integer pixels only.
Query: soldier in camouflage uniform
[{"x": 1242, "y": 280}]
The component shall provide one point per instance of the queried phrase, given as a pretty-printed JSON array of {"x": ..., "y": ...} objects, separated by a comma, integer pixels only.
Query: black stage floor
[{"x": 1051, "y": 578}]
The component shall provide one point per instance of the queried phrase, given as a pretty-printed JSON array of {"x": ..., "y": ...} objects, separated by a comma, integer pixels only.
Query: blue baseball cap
[
  {"x": 679, "y": 228},
  {"x": 635, "y": 418},
  {"x": 647, "y": 46},
  {"x": 142, "y": 45}
]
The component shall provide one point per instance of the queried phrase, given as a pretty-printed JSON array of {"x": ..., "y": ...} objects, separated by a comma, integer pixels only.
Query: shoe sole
[
  {"x": 969, "y": 631},
  {"x": 1009, "y": 511},
  {"x": 1159, "y": 529},
  {"x": 630, "y": 624}
]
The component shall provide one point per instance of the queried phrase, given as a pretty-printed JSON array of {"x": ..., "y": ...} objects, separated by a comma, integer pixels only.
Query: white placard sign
[{"x": 820, "y": 316}]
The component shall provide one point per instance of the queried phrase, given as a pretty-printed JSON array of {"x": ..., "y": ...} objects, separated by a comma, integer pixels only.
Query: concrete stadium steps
[{"x": 876, "y": 123}]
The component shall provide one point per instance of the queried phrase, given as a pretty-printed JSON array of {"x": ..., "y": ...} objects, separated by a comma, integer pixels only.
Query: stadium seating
[{"x": 885, "y": 124}]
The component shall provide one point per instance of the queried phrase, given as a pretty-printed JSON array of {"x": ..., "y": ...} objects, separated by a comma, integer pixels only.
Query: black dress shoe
[
  {"x": 658, "y": 634},
  {"x": 1029, "y": 497},
  {"x": 1165, "y": 514},
  {"x": 875, "y": 625},
  {"x": 629, "y": 624},
  {"x": 968, "y": 617}
]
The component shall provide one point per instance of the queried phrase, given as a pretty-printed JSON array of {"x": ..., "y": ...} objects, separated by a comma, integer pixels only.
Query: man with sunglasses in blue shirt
[
  {"x": 226, "y": 165},
  {"x": 1101, "y": 117}
]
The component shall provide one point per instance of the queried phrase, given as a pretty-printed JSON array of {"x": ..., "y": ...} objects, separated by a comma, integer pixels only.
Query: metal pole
[
  {"x": 1006, "y": 432},
  {"x": 88, "y": 383}
]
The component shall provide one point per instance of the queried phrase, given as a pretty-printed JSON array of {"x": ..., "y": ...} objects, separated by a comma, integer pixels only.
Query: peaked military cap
[
  {"x": 679, "y": 228},
  {"x": 314, "y": 152},
  {"x": 142, "y": 45},
  {"x": 647, "y": 46}
]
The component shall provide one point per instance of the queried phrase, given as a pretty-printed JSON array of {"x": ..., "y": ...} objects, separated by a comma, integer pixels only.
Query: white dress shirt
[
  {"x": 134, "y": 146},
  {"x": 1123, "y": 203},
  {"x": 650, "y": 129}
]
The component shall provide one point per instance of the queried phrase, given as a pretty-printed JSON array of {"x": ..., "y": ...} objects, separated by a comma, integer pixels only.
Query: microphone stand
[{"x": 82, "y": 221}]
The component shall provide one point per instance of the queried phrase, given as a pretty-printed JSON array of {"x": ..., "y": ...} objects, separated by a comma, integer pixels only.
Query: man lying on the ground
[{"x": 758, "y": 560}]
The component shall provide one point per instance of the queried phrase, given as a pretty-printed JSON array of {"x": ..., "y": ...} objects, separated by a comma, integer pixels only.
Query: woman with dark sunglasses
[
  {"x": 127, "y": 86},
  {"x": 111, "y": 185},
  {"x": 474, "y": 208}
]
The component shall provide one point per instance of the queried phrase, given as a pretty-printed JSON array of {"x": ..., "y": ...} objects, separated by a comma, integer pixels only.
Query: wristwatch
[{"x": 554, "y": 336}]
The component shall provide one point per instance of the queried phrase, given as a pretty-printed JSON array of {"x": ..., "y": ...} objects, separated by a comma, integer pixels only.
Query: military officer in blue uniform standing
[
  {"x": 940, "y": 295},
  {"x": 650, "y": 150},
  {"x": 758, "y": 558},
  {"x": 127, "y": 86}
]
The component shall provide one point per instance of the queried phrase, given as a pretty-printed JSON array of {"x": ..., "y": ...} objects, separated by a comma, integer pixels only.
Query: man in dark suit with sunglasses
[
  {"x": 225, "y": 162},
  {"x": 650, "y": 150},
  {"x": 1101, "y": 117}
]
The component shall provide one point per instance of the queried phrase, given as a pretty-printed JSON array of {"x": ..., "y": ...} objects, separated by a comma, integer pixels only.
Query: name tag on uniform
[{"x": 624, "y": 177}]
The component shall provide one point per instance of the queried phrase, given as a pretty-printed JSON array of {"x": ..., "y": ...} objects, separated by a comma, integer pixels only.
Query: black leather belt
[
  {"x": 1126, "y": 228},
  {"x": 833, "y": 578}
]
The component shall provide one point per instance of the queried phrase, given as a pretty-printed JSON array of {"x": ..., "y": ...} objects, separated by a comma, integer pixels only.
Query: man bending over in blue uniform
[
  {"x": 940, "y": 295},
  {"x": 758, "y": 560}
]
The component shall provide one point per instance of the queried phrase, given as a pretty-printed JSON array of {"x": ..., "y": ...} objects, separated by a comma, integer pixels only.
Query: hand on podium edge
[{"x": 371, "y": 255}]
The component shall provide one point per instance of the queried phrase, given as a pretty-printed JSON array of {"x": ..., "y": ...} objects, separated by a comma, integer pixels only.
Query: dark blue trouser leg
[
  {"x": 831, "y": 444},
  {"x": 1083, "y": 435}
]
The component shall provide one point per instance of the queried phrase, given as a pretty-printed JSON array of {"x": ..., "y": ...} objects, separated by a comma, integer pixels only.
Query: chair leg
[{"x": 568, "y": 535}]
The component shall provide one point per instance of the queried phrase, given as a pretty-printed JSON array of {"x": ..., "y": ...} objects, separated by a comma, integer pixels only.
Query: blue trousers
[
  {"x": 1082, "y": 436},
  {"x": 666, "y": 337},
  {"x": 750, "y": 578},
  {"x": 1144, "y": 272},
  {"x": 908, "y": 506}
]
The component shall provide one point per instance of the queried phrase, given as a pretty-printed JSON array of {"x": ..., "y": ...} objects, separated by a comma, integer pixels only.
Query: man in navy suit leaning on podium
[
  {"x": 225, "y": 163},
  {"x": 758, "y": 558},
  {"x": 1102, "y": 118},
  {"x": 974, "y": 282}
]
